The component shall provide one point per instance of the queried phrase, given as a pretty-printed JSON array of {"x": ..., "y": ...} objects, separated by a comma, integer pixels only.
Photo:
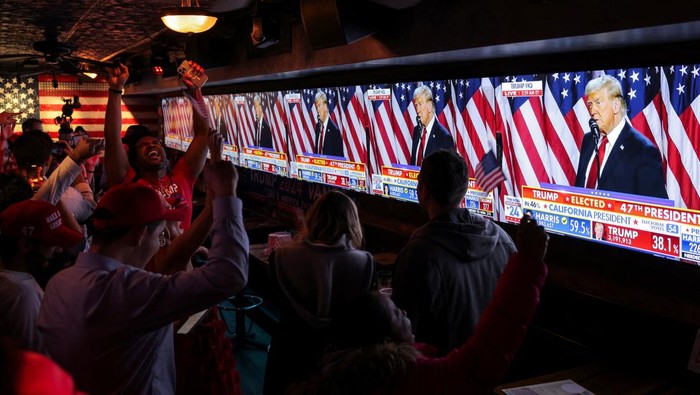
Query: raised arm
[
  {"x": 116, "y": 162},
  {"x": 177, "y": 255},
  {"x": 196, "y": 153}
]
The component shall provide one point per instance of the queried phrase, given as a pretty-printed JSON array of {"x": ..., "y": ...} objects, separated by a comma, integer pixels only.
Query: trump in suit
[
  {"x": 428, "y": 135},
  {"x": 328, "y": 140},
  {"x": 263, "y": 134},
  {"x": 628, "y": 161}
]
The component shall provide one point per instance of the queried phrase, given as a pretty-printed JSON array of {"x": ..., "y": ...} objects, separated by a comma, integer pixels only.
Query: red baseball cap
[
  {"x": 131, "y": 205},
  {"x": 38, "y": 220}
]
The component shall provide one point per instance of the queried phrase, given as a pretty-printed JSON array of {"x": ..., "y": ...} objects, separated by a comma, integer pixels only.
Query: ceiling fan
[{"x": 53, "y": 57}]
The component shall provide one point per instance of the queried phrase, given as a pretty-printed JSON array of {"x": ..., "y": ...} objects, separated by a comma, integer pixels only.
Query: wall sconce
[
  {"x": 258, "y": 36},
  {"x": 188, "y": 18}
]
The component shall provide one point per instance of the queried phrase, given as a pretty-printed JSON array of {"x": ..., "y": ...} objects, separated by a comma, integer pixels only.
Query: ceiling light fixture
[{"x": 188, "y": 18}]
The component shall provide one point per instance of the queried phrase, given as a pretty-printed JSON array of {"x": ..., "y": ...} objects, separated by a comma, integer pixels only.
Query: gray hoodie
[{"x": 446, "y": 274}]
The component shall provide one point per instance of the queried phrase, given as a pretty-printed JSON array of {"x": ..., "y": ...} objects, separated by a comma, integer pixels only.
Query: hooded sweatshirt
[{"x": 446, "y": 274}]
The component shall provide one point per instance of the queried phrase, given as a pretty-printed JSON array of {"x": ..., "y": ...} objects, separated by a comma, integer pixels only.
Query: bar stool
[{"x": 239, "y": 304}]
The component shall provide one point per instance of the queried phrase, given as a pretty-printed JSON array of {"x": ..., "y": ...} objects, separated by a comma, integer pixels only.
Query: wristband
[{"x": 117, "y": 91}]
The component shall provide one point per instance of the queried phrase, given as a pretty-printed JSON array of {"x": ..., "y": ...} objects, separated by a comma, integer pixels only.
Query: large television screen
[{"x": 631, "y": 180}]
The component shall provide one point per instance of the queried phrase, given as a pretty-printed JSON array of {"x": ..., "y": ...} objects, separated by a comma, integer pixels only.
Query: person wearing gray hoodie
[{"x": 447, "y": 272}]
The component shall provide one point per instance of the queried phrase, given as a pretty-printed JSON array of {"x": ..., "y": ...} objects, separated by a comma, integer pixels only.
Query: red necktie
[
  {"x": 419, "y": 161},
  {"x": 593, "y": 173},
  {"x": 319, "y": 149}
]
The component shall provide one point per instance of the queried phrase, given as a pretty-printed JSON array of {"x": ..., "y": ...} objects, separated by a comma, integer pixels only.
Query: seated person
[
  {"x": 317, "y": 275},
  {"x": 375, "y": 350}
]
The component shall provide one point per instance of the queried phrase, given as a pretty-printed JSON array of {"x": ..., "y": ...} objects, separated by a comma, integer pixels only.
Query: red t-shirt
[{"x": 177, "y": 188}]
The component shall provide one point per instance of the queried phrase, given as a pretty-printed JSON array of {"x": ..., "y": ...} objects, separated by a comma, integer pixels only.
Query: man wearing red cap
[
  {"x": 30, "y": 232},
  {"x": 107, "y": 321}
]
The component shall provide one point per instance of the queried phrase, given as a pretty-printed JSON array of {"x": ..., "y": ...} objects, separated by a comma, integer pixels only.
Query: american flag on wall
[
  {"x": 20, "y": 95},
  {"x": 93, "y": 99}
]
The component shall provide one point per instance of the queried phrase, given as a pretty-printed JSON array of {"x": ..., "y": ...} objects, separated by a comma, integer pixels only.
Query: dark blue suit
[
  {"x": 438, "y": 138},
  {"x": 265, "y": 135},
  {"x": 634, "y": 165},
  {"x": 332, "y": 140}
]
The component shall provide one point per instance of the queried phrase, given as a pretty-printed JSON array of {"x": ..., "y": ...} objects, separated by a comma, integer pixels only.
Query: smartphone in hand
[{"x": 185, "y": 68}]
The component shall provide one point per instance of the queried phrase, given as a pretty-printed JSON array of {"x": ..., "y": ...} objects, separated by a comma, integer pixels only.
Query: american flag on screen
[
  {"x": 302, "y": 123},
  {"x": 403, "y": 120},
  {"x": 488, "y": 173},
  {"x": 442, "y": 96},
  {"x": 679, "y": 108},
  {"x": 245, "y": 117},
  {"x": 379, "y": 116},
  {"x": 93, "y": 98},
  {"x": 474, "y": 130},
  {"x": 276, "y": 115},
  {"x": 353, "y": 120}
]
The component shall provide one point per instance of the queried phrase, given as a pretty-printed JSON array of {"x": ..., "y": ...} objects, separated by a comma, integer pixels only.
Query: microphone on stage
[{"x": 595, "y": 130}]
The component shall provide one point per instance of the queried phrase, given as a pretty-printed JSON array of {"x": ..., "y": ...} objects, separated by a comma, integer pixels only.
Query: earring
[{"x": 162, "y": 240}]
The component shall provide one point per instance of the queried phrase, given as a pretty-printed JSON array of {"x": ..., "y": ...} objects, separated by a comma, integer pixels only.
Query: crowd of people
[{"x": 96, "y": 246}]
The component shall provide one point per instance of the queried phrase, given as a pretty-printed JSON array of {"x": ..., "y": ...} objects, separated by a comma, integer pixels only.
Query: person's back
[
  {"x": 446, "y": 274},
  {"x": 107, "y": 321},
  {"x": 317, "y": 276}
]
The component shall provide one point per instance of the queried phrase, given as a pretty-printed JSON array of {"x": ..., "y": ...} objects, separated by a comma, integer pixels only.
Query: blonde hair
[
  {"x": 330, "y": 217},
  {"x": 612, "y": 87}
]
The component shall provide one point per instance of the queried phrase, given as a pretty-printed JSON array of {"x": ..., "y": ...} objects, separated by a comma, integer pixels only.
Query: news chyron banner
[
  {"x": 326, "y": 170},
  {"x": 477, "y": 200},
  {"x": 399, "y": 182},
  {"x": 613, "y": 218},
  {"x": 264, "y": 160}
]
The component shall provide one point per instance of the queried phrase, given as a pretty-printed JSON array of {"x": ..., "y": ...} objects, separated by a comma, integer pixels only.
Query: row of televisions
[{"x": 372, "y": 138}]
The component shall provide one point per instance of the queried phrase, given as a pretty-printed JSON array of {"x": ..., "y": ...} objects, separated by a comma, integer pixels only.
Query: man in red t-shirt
[{"x": 145, "y": 161}]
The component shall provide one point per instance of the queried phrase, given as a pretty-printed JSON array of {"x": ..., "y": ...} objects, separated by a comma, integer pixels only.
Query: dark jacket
[
  {"x": 446, "y": 274},
  {"x": 438, "y": 138},
  {"x": 633, "y": 166},
  {"x": 314, "y": 280},
  {"x": 476, "y": 367},
  {"x": 265, "y": 135},
  {"x": 332, "y": 140}
]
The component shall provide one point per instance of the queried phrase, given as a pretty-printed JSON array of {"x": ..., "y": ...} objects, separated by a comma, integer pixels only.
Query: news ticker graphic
[
  {"x": 267, "y": 161},
  {"x": 522, "y": 89},
  {"x": 639, "y": 225},
  {"x": 478, "y": 201},
  {"x": 401, "y": 182},
  {"x": 345, "y": 174},
  {"x": 231, "y": 153},
  {"x": 172, "y": 140}
]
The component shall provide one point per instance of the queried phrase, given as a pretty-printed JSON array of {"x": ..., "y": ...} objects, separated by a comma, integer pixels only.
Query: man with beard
[
  {"x": 145, "y": 161},
  {"x": 30, "y": 232}
]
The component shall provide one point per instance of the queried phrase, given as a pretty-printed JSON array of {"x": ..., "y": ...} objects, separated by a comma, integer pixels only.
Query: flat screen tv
[{"x": 527, "y": 139}]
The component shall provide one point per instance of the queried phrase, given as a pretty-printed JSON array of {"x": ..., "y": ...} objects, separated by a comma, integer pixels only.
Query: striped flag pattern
[
  {"x": 276, "y": 115},
  {"x": 93, "y": 98},
  {"x": 488, "y": 173},
  {"x": 540, "y": 135}
]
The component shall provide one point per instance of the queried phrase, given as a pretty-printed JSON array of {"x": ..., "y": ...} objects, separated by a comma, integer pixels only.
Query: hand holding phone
[{"x": 189, "y": 73}]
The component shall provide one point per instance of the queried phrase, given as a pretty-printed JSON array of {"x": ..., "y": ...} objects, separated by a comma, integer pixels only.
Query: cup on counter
[
  {"x": 276, "y": 240},
  {"x": 384, "y": 279}
]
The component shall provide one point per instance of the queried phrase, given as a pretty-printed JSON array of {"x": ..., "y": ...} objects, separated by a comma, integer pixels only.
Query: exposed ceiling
[{"x": 102, "y": 30}]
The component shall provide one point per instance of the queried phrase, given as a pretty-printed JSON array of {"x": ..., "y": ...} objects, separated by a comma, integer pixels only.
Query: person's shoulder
[{"x": 638, "y": 137}]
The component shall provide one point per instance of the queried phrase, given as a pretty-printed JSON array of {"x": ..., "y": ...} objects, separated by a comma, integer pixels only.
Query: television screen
[
  {"x": 616, "y": 163},
  {"x": 222, "y": 114},
  {"x": 328, "y": 136}
]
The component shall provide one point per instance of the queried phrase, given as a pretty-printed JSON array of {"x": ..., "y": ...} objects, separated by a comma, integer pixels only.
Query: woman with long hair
[
  {"x": 374, "y": 352},
  {"x": 316, "y": 276}
]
